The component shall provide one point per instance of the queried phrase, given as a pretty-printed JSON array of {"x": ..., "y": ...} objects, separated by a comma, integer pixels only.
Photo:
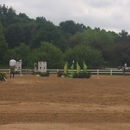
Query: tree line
[{"x": 33, "y": 40}]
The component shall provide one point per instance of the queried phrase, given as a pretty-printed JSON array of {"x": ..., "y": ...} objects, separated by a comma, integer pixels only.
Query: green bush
[
  {"x": 2, "y": 76},
  {"x": 75, "y": 75},
  {"x": 46, "y": 74},
  {"x": 82, "y": 75}
]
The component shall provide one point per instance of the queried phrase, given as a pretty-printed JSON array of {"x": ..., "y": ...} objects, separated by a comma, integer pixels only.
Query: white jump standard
[
  {"x": 42, "y": 66},
  {"x": 18, "y": 66}
]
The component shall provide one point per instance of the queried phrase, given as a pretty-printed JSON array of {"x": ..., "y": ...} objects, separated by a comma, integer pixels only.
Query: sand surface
[{"x": 51, "y": 103}]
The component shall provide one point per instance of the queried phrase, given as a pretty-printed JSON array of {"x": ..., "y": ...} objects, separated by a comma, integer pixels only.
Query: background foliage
[{"x": 33, "y": 40}]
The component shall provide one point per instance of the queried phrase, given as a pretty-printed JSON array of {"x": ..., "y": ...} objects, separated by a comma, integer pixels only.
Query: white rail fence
[{"x": 92, "y": 71}]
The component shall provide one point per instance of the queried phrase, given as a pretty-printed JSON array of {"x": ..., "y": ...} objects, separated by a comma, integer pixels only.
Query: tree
[
  {"x": 17, "y": 34},
  {"x": 3, "y": 45},
  {"x": 13, "y": 35},
  {"x": 7, "y": 15},
  {"x": 80, "y": 53},
  {"x": 71, "y": 27},
  {"x": 49, "y": 53},
  {"x": 97, "y": 39},
  {"x": 120, "y": 54},
  {"x": 124, "y": 37},
  {"x": 48, "y": 32},
  {"x": 19, "y": 53},
  {"x": 68, "y": 27}
]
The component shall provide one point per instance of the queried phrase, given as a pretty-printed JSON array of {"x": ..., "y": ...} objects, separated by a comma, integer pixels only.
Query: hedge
[{"x": 2, "y": 77}]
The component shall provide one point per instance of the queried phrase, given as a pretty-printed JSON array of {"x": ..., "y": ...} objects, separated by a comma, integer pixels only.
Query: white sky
[{"x": 110, "y": 15}]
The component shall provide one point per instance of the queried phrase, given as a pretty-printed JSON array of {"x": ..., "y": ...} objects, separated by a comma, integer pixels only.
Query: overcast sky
[{"x": 111, "y": 15}]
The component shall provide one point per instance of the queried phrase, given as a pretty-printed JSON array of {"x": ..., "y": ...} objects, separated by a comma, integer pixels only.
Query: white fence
[
  {"x": 107, "y": 71},
  {"x": 110, "y": 71}
]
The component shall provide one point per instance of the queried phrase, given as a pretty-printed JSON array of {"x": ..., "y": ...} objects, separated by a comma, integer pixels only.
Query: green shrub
[
  {"x": 75, "y": 75},
  {"x": 88, "y": 75},
  {"x": 82, "y": 75},
  {"x": 46, "y": 74},
  {"x": 2, "y": 76}
]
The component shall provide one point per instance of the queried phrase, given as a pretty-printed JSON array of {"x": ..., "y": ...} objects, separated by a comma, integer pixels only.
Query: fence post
[
  {"x": 97, "y": 71},
  {"x": 111, "y": 72}
]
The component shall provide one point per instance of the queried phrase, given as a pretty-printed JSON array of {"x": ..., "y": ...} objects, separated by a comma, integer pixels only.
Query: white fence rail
[{"x": 93, "y": 71}]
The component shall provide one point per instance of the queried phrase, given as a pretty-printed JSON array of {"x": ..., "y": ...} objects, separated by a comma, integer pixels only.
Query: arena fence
[{"x": 111, "y": 71}]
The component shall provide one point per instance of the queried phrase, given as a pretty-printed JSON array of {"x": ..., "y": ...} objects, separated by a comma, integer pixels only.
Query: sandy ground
[{"x": 51, "y": 103}]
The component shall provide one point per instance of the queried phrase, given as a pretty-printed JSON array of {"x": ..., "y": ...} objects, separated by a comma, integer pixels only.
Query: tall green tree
[
  {"x": 13, "y": 35},
  {"x": 80, "y": 53},
  {"x": 124, "y": 37},
  {"x": 3, "y": 45},
  {"x": 7, "y": 15},
  {"x": 19, "y": 53},
  {"x": 97, "y": 39},
  {"x": 49, "y": 53},
  {"x": 120, "y": 54},
  {"x": 17, "y": 34},
  {"x": 46, "y": 31},
  {"x": 71, "y": 27}
]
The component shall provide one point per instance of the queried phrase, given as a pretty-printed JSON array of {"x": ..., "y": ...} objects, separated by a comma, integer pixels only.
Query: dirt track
[{"x": 50, "y": 103}]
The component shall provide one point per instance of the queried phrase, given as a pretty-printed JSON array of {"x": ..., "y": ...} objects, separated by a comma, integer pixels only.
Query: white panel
[
  {"x": 42, "y": 66},
  {"x": 18, "y": 66}
]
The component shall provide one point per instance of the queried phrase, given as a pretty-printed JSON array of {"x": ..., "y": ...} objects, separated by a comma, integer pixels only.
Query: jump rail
[{"x": 92, "y": 71}]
